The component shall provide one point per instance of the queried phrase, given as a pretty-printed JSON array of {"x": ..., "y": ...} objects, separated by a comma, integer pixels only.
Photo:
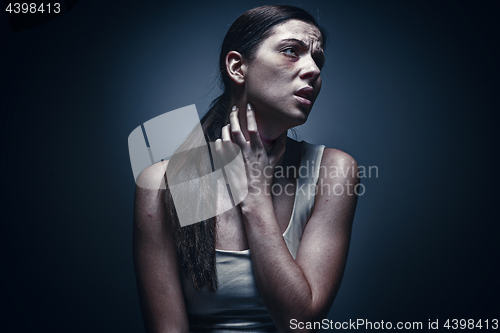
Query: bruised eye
[{"x": 290, "y": 51}]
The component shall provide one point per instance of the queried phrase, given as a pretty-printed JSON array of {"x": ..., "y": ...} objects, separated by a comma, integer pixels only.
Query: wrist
[{"x": 256, "y": 204}]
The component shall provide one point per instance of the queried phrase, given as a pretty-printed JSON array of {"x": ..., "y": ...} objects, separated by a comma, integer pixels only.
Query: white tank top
[{"x": 237, "y": 306}]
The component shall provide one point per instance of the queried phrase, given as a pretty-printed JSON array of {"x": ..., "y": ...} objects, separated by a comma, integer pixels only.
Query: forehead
[{"x": 306, "y": 32}]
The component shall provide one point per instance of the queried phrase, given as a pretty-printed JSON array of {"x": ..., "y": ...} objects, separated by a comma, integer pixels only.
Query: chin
[
  {"x": 292, "y": 116},
  {"x": 299, "y": 118},
  {"x": 302, "y": 114}
]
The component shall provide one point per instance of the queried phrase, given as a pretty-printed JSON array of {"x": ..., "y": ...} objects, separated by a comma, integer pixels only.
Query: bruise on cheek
[{"x": 288, "y": 65}]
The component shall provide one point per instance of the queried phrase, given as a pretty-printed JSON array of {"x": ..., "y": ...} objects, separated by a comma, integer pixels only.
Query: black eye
[{"x": 290, "y": 51}]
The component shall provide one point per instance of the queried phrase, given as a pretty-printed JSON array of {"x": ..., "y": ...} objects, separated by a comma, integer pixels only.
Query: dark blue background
[{"x": 411, "y": 87}]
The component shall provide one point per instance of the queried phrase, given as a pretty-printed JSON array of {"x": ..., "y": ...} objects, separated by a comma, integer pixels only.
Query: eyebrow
[{"x": 300, "y": 42}]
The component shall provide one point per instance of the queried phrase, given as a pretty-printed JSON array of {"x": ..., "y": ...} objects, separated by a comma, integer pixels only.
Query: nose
[{"x": 310, "y": 70}]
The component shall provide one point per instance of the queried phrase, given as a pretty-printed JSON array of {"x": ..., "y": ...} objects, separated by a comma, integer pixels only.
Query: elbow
[{"x": 316, "y": 307}]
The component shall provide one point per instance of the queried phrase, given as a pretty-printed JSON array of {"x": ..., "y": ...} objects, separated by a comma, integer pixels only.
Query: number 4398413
[
  {"x": 33, "y": 8},
  {"x": 462, "y": 324}
]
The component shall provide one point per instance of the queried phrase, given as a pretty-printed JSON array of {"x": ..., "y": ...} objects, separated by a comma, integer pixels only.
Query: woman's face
[{"x": 283, "y": 79}]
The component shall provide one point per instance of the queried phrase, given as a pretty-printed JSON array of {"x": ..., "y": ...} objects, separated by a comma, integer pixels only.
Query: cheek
[
  {"x": 263, "y": 81},
  {"x": 269, "y": 81},
  {"x": 277, "y": 79}
]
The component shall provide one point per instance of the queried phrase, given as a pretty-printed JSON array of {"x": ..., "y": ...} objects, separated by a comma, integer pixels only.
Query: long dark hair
[{"x": 196, "y": 243}]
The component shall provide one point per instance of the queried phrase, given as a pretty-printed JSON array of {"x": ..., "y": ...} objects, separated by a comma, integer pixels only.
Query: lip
[{"x": 305, "y": 95}]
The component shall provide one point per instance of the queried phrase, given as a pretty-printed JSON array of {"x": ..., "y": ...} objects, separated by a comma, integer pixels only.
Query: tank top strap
[{"x": 307, "y": 178}]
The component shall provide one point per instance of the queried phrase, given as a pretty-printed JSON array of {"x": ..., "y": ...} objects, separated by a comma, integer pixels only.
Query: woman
[{"x": 277, "y": 259}]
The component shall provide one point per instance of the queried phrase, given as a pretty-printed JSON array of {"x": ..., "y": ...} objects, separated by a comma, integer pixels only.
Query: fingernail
[{"x": 234, "y": 108}]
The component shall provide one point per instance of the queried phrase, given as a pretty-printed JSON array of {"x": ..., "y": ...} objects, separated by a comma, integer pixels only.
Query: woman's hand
[{"x": 259, "y": 164}]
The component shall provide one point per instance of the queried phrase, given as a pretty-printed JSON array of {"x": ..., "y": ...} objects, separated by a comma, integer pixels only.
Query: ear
[{"x": 236, "y": 67}]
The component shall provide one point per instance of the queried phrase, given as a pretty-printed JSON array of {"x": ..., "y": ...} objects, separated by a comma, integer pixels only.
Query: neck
[{"x": 268, "y": 133}]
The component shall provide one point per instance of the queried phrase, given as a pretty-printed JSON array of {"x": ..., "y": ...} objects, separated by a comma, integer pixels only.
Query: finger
[
  {"x": 218, "y": 146},
  {"x": 253, "y": 131},
  {"x": 238, "y": 136},
  {"x": 226, "y": 135},
  {"x": 251, "y": 122},
  {"x": 220, "y": 154},
  {"x": 227, "y": 142}
]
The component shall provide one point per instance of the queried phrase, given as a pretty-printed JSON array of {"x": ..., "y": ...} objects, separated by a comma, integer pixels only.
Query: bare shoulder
[
  {"x": 337, "y": 195},
  {"x": 340, "y": 163},
  {"x": 152, "y": 178},
  {"x": 149, "y": 195}
]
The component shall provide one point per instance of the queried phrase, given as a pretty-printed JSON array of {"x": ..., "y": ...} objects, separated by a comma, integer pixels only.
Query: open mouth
[{"x": 305, "y": 95}]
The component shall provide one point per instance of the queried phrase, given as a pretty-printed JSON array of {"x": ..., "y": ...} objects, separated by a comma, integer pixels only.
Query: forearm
[{"x": 282, "y": 283}]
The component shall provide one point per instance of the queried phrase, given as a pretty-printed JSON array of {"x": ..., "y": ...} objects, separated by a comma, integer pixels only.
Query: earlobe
[{"x": 236, "y": 67}]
